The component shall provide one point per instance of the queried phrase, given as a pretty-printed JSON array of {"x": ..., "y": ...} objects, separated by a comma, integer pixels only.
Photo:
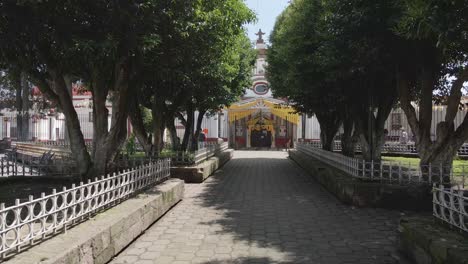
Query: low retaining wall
[
  {"x": 99, "y": 239},
  {"x": 426, "y": 242},
  {"x": 199, "y": 173},
  {"x": 364, "y": 193}
]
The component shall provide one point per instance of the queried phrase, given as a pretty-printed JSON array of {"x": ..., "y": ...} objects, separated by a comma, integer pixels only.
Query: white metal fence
[
  {"x": 207, "y": 151},
  {"x": 32, "y": 221},
  {"x": 388, "y": 147},
  {"x": 385, "y": 171},
  {"x": 28, "y": 168},
  {"x": 450, "y": 205}
]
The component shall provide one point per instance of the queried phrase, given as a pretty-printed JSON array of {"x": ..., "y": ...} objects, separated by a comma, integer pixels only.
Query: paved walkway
[{"x": 262, "y": 208}]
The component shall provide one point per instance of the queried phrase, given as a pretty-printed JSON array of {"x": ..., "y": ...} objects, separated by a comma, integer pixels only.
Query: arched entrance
[
  {"x": 262, "y": 132},
  {"x": 262, "y": 123}
]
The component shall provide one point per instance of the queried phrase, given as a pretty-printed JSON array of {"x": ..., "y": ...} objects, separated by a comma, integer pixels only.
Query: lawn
[{"x": 460, "y": 166}]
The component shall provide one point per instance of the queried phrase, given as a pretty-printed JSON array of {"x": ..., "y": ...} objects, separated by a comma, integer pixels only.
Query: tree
[
  {"x": 296, "y": 70},
  {"x": 199, "y": 64},
  {"x": 99, "y": 42},
  {"x": 7, "y": 91},
  {"x": 433, "y": 67},
  {"x": 15, "y": 91},
  {"x": 226, "y": 80},
  {"x": 325, "y": 56}
]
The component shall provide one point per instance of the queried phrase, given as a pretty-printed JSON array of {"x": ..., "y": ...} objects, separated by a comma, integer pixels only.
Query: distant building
[
  {"x": 49, "y": 125},
  {"x": 258, "y": 120}
]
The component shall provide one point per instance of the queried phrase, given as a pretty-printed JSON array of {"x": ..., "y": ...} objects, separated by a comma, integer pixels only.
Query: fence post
[{"x": 363, "y": 168}]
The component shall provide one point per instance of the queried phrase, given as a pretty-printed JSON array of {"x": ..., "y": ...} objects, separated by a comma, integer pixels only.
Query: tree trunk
[
  {"x": 437, "y": 164},
  {"x": 198, "y": 129},
  {"x": 170, "y": 124},
  {"x": 60, "y": 96},
  {"x": 141, "y": 134},
  {"x": 438, "y": 154},
  {"x": 25, "y": 107},
  {"x": 347, "y": 141},
  {"x": 77, "y": 142},
  {"x": 329, "y": 125},
  {"x": 437, "y": 157},
  {"x": 107, "y": 143},
  {"x": 158, "y": 126},
  {"x": 69, "y": 83},
  {"x": 370, "y": 125},
  {"x": 374, "y": 151},
  {"x": 100, "y": 128},
  {"x": 19, "y": 106},
  {"x": 188, "y": 134}
]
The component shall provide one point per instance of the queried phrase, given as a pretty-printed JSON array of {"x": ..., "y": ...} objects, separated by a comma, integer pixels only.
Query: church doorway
[
  {"x": 261, "y": 135},
  {"x": 262, "y": 123}
]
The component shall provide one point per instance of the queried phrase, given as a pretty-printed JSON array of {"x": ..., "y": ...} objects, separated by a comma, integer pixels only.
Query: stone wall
[
  {"x": 200, "y": 172},
  {"x": 425, "y": 241},
  {"x": 102, "y": 237},
  {"x": 362, "y": 193}
]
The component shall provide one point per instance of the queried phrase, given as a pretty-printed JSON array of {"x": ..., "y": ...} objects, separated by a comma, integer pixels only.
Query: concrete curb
[
  {"x": 99, "y": 239},
  {"x": 365, "y": 193},
  {"x": 424, "y": 240},
  {"x": 199, "y": 173}
]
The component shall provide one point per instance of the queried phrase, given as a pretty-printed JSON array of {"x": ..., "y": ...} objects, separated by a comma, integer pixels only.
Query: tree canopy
[
  {"x": 351, "y": 62},
  {"x": 153, "y": 54}
]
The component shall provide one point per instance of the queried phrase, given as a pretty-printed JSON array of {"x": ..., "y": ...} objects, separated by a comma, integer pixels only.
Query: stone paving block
[
  {"x": 262, "y": 208},
  {"x": 98, "y": 239}
]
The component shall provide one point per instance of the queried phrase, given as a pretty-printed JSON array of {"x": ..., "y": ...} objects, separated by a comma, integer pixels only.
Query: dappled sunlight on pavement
[{"x": 261, "y": 208}]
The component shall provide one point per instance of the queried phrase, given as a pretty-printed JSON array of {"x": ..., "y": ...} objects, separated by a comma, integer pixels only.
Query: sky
[{"x": 267, "y": 11}]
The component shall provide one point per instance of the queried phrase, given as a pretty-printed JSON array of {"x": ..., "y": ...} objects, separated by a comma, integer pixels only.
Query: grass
[
  {"x": 415, "y": 161},
  {"x": 460, "y": 167}
]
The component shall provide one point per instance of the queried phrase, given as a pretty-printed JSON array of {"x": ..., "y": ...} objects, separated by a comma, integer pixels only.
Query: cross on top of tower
[{"x": 260, "y": 36}]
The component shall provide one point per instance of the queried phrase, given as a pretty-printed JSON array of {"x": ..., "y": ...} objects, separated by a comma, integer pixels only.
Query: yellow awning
[
  {"x": 238, "y": 115},
  {"x": 284, "y": 112},
  {"x": 239, "y": 111}
]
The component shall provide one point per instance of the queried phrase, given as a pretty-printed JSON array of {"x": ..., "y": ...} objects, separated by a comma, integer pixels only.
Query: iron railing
[
  {"x": 388, "y": 147},
  {"x": 385, "y": 171},
  {"x": 197, "y": 157},
  {"x": 32, "y": 221},
  {"x": 450, "y": 205},
  {"x": 52, "y": 143},
  {"x": 10, "y": 167}
]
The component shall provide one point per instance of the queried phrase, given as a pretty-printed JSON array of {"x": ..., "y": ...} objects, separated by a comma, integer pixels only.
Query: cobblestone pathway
[{"x": 261, "y": 208}]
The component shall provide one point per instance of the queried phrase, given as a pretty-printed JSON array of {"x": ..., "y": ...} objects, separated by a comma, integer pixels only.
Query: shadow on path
[{"x": 279, "y": 214}]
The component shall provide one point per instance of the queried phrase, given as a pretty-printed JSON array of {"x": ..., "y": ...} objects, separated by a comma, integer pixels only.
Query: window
[{"x": 261, "y": 89}]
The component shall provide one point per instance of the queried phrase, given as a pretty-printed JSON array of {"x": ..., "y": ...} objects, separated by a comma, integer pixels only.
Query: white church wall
[{"x": 210, "y": 123}]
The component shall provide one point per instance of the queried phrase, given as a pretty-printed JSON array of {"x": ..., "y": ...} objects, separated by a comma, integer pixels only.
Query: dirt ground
[{"x": 21, "y": 189}]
